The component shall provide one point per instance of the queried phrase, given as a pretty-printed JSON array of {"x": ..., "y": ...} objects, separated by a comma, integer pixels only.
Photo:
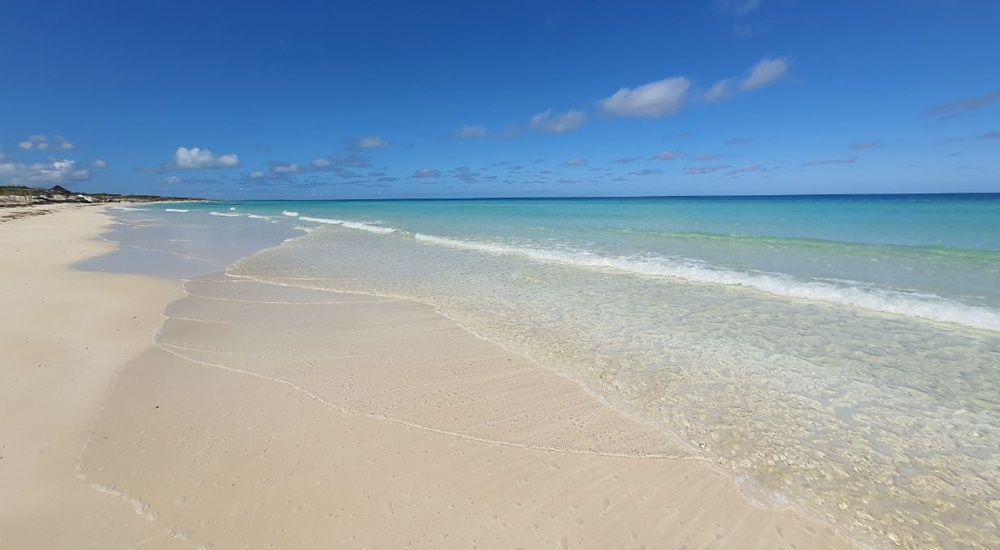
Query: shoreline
[
  {"x": 238, "y": 435},
  {"x": 65, "y": 334}
]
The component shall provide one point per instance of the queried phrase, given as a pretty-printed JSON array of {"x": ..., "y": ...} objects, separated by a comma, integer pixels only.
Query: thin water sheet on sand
[{"x": 273, "y": 416}]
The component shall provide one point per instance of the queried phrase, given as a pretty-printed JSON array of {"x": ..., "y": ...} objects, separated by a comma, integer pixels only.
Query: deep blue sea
[{"x": 837, "y": 353}]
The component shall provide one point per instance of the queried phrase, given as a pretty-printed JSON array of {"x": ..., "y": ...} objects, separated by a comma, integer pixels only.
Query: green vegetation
[
  {"x": 19, "y": 190},
  {"x": 60, "y": 194}
]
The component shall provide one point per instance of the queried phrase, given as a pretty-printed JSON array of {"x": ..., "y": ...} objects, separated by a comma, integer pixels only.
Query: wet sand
[{"x": 267, "y": 416}]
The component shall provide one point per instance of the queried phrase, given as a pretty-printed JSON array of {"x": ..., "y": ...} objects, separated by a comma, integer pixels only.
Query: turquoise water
[{"x": 837, "y": 354}]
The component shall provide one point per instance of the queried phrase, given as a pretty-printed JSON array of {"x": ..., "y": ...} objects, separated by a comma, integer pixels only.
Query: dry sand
[
  {"x": 271, "y": 417},
  {"x": 64, "y": 336}
]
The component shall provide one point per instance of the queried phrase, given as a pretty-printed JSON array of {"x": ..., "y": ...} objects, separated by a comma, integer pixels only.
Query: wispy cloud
[
  {"x": 425, "y": 173},
  {"x": 556, "y": 123},
  {"x": 720, "y": 91},
  {"x": 627, "y": 160},
  {"x": 965, "y": 105},
  {"x": 349, "y": 160},
  {"x": 668, "y": 155},
  {"x": 699, "y": 170},
  {"x": 99, "y": 164},
  {"x": 740, "y": 8},
  {"x": 747, "y": 169},
  {"x": 707, "y": 157},
  {"x": 369, "y": 143},
  {"x": 338, "y": 165},
  {"x": 285, "y": 168},
  {"x": 646, "y": 172},
  {"x": 575, "y": 162},
  {"x": 764, "y": 73},
  {"x": 51, "y": 172},
  {"x": 821, "y": 162},
  {"x": 652, "y": 100},
  {"x": 989, "y": 135},
  {"x": 468, "y": 132},
  {"x": 41, "y": 142},
  {"x": 861, "y": 146},
  {"x": 196, "y": 158}
]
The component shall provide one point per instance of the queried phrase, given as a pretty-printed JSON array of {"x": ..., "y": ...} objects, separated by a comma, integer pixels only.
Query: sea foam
[
  {"x": 351, "y": 224},
  {"x": 851, "y": 293}
]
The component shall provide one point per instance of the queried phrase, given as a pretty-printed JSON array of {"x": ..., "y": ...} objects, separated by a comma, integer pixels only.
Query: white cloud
[
  {"x": 320, "y": 163},
  {"x": 550, "y": 123},
  {"x": 170, "y": 179},
  {"x": 196, "y": 158},
  {"x": 575, "y": 162},
  {"x": 767, "y": 71},
  {"x": 370, "y": 142},
  {"x": 40, "y": 142},
  {"x": 668, "y": 155},
  {"x": 256, "y": 175},
  {"x": 653, "y": 100},
  {"x": 720, "y": 91},
  {"x": 427, "y": 173},
  {"x": 286, "y": 168},
  {"x": 764, "y": 73},
  {"x": 468, "y": 132},
  {"x": 51, "y": 172},
  {"x": 99, "y": 164}
]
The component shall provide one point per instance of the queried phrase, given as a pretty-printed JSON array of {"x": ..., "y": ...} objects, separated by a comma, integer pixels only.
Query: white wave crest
[
  {"x": 351, "y": 224},
  {"x": 175, "y": 210},
  {"x": 226, "y": 214},
  {"x": 851, "y": 293},
  {"x": 290, "y": 213}
]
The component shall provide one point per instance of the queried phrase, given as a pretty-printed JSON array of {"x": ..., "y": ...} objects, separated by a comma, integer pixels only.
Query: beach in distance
[{"x": 729, "y": 372}]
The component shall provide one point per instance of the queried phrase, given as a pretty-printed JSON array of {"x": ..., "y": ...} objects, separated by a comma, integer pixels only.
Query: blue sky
[{"x": 517, "y": 98}]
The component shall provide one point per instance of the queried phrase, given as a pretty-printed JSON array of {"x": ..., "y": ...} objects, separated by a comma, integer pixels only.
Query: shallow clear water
[{"x": 841, "y": 354}]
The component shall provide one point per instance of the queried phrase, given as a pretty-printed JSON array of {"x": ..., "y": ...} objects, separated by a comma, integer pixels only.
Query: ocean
[{"x": 838, "y": 354}]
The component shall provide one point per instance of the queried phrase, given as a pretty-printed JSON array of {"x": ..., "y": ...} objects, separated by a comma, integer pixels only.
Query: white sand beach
[{"x": 242, "y": 429}]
